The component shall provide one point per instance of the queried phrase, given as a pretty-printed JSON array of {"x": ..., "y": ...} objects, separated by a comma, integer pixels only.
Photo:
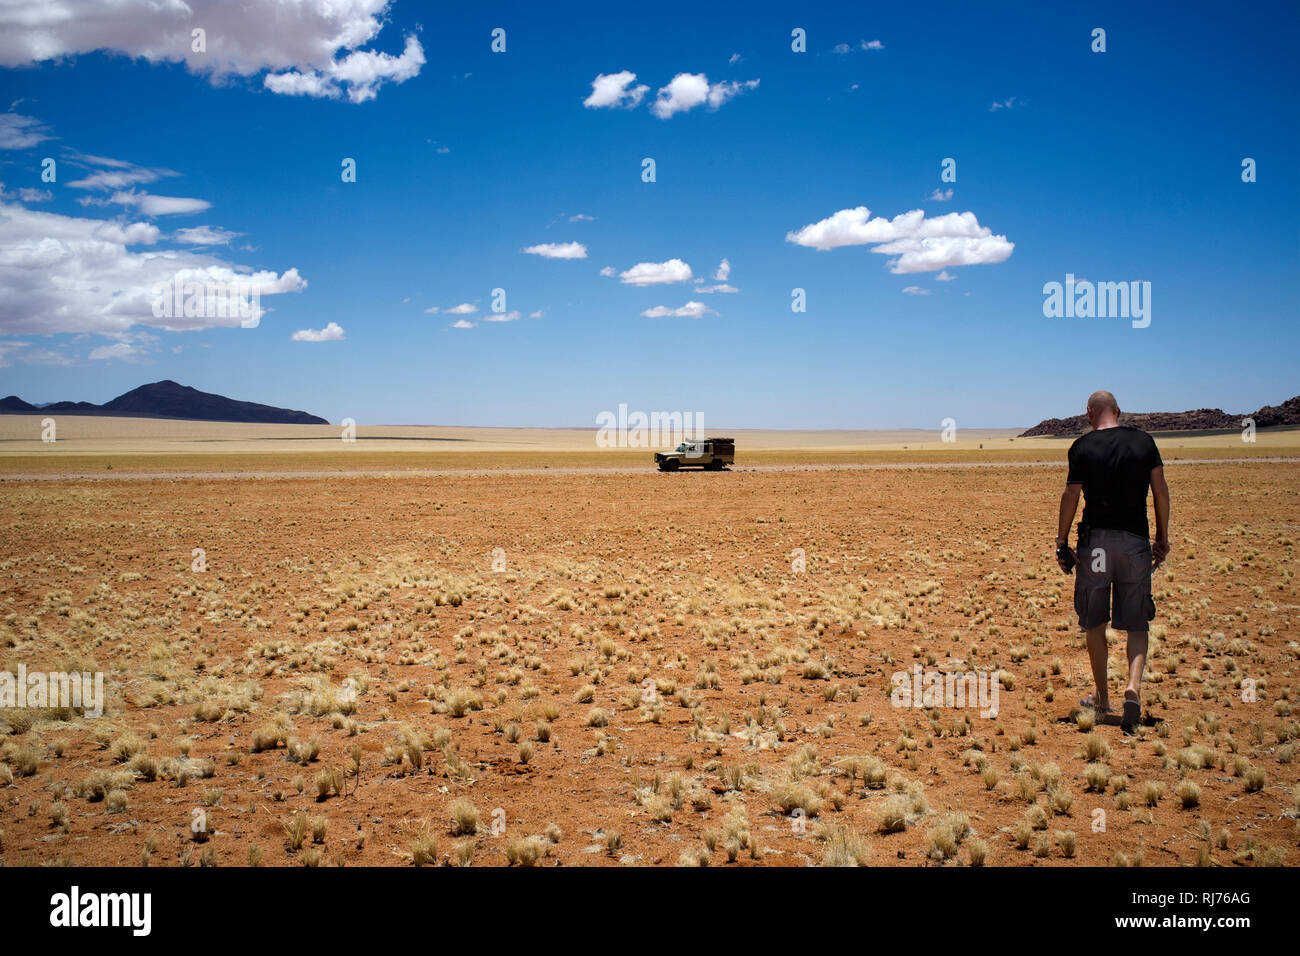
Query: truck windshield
[{"x": 682, "y": 447}]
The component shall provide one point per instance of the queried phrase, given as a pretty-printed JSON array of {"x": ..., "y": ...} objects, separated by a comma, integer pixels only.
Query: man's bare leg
[
  {"x": 1097, "y": 656},
  {"x": 1137, "y": 659}
]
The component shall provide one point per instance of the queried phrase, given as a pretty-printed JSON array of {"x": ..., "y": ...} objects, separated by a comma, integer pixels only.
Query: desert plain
[{"x": 507, "y": 647}]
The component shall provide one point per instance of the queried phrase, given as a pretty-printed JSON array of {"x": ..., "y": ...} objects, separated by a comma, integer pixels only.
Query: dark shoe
[{"x": 1132, "y": 716}]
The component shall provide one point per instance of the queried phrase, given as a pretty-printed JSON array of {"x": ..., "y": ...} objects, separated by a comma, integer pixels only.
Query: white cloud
[
  {"x": 689, "y": 90},
  {"x": 558, "y": 250},
  {"x": 915, "y": 290},
  {"x": 941, "y": 195},
  {"x": 944, "y": 276},
  {"x": 359, "y": 74},
  {"x": 1002, "y": 105},
  {"x": 536, "y": 315},
  {"x": 720, "y": 287},
  {"x": 608, "y": 272},
  {"x": 119, "y": 350},
  {"x": 119, "y": 178},
  {"x": 311, "y": 45},
  {"x": 657, "y": 273},
  {"x": 462, "y": 324},
  {"x": 691, "y": 310},
  {"x": 28, "y": 194},
  {"x": 610, "y": 90},
  {"x": 465, "y": 308},
  {"x": 82, "y": 275},
  {"x": 843, "y": 48},
  {"x": 206, "y": 236},
  {"x": 735, "y": 58},
  {"x": 581, "y": 217},
  {"x": 45, "y": 357},
  {"x": 512, "y": 316},
  {"x": 151, "y": 205},
  {"x": 331, "y": 333},
  {"x": 919, "y": 244},
  {"x": 18, "y": 131},
  {"x": 721, "y": 273}
]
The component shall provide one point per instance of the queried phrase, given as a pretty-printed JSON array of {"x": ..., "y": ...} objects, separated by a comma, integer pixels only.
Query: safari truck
[{"x": 711, "y": 454}]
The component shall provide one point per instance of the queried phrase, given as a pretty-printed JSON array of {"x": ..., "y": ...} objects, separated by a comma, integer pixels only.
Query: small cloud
[
  {"x": 462, "y": 324},
  {"x": 331, "y": 333},
  {"x": 512, "y": 316},
  {"x": 51, "y": 357},
  {"x": 152, "y": 205},
  {"x": 536, "y": 315},
  {"x": 915, "y": 290},
  {"x": 941, "y": 195},
  {"x": 944, "y": 276},
  {"x": 735, "y": 58},
  {"x": 611, "y": 90},
  {"x": 206, "y": 236},
  {"x": 689, "y": 90},
  {"x": 28, "y": 194},
  {"x": 720, "y": 287},
  {"x": 691, "y": 310},
  {"x": 20, "y": 132},
  {"x": 657, "y": 273},
  {"x": 721, "y": 273},
  {"x": 845, "y": 48},
  {"x": 1002, "y": 105},
  {"x": 558, "y": 250},
  {"x": 124, "y": 351},
  {"x": 581, "y": 217},
  {"x": 608, "y": 272},
  {"x": 918, "y": 243},
  {"x": 464, "y": 308}
]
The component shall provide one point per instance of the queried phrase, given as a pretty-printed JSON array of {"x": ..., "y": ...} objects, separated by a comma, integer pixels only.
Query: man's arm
[
  {"x": 1160, "y": 494},
  {"x": 1069, "y": 505}
]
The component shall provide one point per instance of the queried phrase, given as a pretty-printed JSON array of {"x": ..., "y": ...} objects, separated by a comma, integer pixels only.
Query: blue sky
[{"x": 1115, "y": 166}]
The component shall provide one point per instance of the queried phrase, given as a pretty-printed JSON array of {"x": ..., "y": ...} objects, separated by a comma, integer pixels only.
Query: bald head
[
  {"x": 1102, "y": 409},
  {"x": 1103, "y": 401}
]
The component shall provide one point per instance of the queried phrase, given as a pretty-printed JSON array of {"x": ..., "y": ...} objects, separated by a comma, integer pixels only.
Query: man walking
[{"x": 1114, "y": 465}]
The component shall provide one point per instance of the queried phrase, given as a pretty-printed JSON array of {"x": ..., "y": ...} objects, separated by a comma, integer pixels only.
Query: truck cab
[{"x": 711, "y": 454}]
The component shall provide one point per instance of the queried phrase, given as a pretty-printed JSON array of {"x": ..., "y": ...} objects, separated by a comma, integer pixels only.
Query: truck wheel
[
  {"x": 717, "y": 464},
  {"x": 669, "y": 464}
]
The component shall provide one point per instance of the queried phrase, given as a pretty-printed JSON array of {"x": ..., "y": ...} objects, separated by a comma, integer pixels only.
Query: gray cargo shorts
[{"x": 1118, "y": 563}]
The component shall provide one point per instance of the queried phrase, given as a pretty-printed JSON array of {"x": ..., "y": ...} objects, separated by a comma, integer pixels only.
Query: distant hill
[
  {"x": 168, "y": 399},
  {"x": 1202, "y": 419}
]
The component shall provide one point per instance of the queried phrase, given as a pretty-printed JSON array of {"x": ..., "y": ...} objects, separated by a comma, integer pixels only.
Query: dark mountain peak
[{"x": 168, "y": 399}]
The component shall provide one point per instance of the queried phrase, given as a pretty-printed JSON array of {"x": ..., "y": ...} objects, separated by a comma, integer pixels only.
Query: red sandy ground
[{"x": 676, "y": 574}]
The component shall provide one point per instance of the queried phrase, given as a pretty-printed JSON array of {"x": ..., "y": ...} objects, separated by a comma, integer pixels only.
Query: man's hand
[
  {"x": 1159, "y": 551},
  {"x": 1065, "y": 558}
]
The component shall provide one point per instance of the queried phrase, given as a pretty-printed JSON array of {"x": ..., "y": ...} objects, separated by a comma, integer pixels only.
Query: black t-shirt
[{"x": 1114, "y": 466}]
